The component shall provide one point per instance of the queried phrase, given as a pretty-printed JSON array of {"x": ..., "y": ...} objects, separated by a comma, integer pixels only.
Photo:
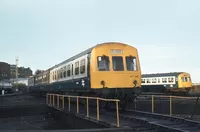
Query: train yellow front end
[
  {"x": 184, "y": 81},
  {"x": 115, "y": 70}
]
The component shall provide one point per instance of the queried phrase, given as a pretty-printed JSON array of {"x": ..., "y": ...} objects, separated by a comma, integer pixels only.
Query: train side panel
[{"x": 71, "y": 76}]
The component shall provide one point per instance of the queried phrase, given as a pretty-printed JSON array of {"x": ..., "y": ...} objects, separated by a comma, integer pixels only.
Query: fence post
[
  {"x": 152, "y": 104},
  {"x": 53, "y": 100},
  {"x": 68, "y": 103},
  {"x": 77, "y": 105},
  {"x": 50, "y": 100},
  {"x": 58, "y": 99},
  {"x": 117, "y": 112},
  {"x": 47, "y": 98},
  {"x": 97, "y": 108},
  {"x": 170, "y": 103},
  {"x": 135, "y": 103},
  {"x": 87, "y": 106},
  {"x": 63, "y": 102}
]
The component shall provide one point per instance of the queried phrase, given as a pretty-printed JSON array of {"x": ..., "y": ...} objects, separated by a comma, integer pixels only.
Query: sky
[{"x": 43, "y": 33}]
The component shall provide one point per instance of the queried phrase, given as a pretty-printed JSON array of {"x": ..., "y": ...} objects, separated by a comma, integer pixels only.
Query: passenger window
[
  {"x": 61, "y": 73},
  {"x": 164, "y": 80},
  {"x": 103, "y": 63},
  {"x": 131, "y": 63},
  {"x": 158, "y": 80},
  {"x": 76, "y": 68},
  {"x": 64, "y": 73},
  {"x": 82, "y": 67},
  {"x": 169, "y": 80},
  {"x": 154, "y": 80},
  {"x": 148, "y": 81},
  {"x": 68, "y": 70},
  {"x": 117, "y": 63},
  {"x": 143, "y": 80},
  {"x": 172, "y": 80}
]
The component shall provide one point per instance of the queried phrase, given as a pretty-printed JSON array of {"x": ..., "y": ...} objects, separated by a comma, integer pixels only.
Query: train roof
[
  {"x": 83, "y": 53},
  {"x": 161, "y": 74}
]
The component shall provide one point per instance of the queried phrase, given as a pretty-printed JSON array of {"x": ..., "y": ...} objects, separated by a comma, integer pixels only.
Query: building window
[
  {"x": 82, "y": 66},
  {"x": 77, "y": 68},
  {"x": 103, "y": 63},
  {"x": 131, "y": 63},
  {"x": 117, "y": 63}
]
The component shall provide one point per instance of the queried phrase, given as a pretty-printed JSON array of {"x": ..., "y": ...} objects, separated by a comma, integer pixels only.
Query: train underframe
[
  {"x": 124, "y": 95},
  {"x": 167, "y": 90}
]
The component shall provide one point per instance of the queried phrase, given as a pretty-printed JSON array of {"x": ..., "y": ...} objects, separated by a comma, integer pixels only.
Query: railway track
[
  {"x": 192, "y": 94},
  {"x": 156, "y": 122}
]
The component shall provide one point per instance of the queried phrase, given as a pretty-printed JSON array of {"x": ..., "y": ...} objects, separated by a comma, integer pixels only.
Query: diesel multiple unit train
[
  {"x": 108, "y": 70},
  {"x": 175, "y": 82}
]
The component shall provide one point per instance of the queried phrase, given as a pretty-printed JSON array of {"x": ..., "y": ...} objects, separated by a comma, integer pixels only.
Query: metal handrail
[
  {"x": 170, "y": 101},
  {"x": 50, "y": 100}
]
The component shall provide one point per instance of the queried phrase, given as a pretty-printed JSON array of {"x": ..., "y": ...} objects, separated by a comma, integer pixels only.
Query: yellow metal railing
[
  {"x": 50, "y": 101},
  {"x": 170, "y": 101}
]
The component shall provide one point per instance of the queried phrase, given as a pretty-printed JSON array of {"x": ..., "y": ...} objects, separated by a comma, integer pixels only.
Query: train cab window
[
  {"x": 131, "y": 63},
  {"x": 189, "y": 79},
  {"x": 117, "y": 63},
  {"x": 82, "y": 66},
  {"x": 77, "y": 68},
  {"x": 103, "y": 63},
  {"x": 186, "y": 79},
  {"x": 68, "y": 70},
  {"x": 182, "y": 79}
]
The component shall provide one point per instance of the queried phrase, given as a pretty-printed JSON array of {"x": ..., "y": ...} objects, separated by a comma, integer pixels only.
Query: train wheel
[
  {"x": 123, "y": 102},
  {"x": 104, "y": 104}
]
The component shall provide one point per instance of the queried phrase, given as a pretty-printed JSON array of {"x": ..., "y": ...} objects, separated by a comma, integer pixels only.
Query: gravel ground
[{"x": 37, "y": 122}]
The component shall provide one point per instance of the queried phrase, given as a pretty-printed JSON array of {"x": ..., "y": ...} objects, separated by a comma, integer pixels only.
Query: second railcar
[{"x": 167, "y": 82}]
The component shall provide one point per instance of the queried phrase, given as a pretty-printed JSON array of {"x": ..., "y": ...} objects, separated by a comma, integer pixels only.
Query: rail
[
  {"x": 170, "y": 98},
  {"x": 50, "y": 101}
]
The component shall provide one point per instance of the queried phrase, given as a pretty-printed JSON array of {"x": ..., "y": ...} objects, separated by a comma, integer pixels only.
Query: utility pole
[{"x": 16, "y": 72}]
